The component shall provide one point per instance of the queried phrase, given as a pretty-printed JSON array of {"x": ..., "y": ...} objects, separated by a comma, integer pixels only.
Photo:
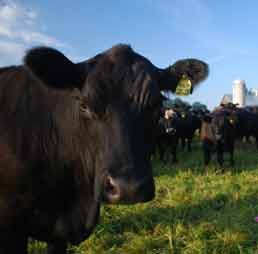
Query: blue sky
[{"x": 223, "y": 33}]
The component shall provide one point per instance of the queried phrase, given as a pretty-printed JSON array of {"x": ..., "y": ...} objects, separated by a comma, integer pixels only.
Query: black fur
[{"x": 66, "y": 130}]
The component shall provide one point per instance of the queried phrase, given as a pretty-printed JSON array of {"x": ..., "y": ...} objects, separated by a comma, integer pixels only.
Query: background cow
[
  {"x": 75, "y": 135},
  {"x": 245, "y": 119},
  {"x": 167, "y": 139},
  {"x": 187, "y": 125},
  {"x": 207, "y": 136},
  {"x": 225, "y": 125}
]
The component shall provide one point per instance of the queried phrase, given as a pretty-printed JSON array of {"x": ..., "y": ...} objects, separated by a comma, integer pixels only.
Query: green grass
[{"x": 193, "y": 212}]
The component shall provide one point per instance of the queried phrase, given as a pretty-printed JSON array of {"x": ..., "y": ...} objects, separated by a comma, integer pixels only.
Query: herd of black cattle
[{"x": 229, "y": 122}]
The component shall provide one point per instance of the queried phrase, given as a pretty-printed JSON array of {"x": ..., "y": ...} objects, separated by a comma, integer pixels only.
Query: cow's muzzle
[{"x": 124, "y": 190}]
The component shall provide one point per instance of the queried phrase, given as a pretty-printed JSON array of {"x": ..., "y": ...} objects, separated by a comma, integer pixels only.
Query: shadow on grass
[{"x": 212, "y": 218}]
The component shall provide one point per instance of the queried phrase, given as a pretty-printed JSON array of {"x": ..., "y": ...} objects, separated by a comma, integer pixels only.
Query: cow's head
[
  {"x": 224, "y": 122},
  {"x": 119, "y": 93}
]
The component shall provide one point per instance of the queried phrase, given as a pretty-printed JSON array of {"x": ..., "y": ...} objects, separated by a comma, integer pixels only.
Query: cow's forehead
[{"x": 123, "y": 74}]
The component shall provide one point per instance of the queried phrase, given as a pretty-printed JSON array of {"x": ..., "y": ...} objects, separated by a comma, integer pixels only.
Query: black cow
[
  {"x": 167, "y": 139},
  {"x": 246, "y": 121},
  {"x": 75, "y": 135},
  {"x": 187, "y": 125},
  {"x": 224, "y": 124}
]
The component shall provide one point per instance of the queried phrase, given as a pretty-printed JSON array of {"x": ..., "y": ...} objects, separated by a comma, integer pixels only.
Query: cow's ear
[
  {"x": 183, "y": 75},
  {"x": 53, "y": 68}
]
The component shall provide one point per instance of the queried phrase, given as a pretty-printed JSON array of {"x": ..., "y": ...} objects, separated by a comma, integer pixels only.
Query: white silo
[{"x": 239, "y": 92}]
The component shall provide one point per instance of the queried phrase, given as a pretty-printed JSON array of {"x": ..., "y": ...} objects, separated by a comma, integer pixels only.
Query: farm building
[{"x": 241, "y": 95}]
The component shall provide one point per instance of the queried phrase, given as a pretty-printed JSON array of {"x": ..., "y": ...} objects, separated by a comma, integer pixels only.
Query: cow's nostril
[
  {"x": 111, "y": 188},
  {"x": 128, "y": 190}
]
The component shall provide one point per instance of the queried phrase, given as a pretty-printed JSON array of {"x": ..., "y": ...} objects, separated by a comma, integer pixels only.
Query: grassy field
[{"x": 193, "y": 212}]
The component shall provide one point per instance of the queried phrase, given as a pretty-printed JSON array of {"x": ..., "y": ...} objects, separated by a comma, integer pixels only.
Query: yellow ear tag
[{"x": 184, "y": 86}]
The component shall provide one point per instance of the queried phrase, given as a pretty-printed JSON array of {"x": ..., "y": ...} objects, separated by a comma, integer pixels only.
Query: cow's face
[
  {"x": 223, "y": 122},
  {"x": 218, "y": 123},
  {"x": 121, "y": 151},
  {"x": 119, "y": 93}
]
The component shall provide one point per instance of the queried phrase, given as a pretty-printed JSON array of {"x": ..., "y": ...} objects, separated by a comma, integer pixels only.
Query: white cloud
[
  {"x": 20, "y": 23},
  {"x": 5, "y": 31},
  {"x": 36, "y": 37},
  {"x": 20, "y": 29},
  {"x": 11, "y": 52},
  {"x": 8, "y": 11}
]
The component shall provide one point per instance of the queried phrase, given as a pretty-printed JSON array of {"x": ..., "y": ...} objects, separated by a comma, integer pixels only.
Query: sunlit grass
[{"x": 193, "y": 212}]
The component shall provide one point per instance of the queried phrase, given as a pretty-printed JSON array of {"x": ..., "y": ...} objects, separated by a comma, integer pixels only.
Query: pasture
[{"x": 193, "y": 212}]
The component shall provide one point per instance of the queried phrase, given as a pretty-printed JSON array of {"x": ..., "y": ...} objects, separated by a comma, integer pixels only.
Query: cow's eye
[{"x": 86, "y": 112}]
